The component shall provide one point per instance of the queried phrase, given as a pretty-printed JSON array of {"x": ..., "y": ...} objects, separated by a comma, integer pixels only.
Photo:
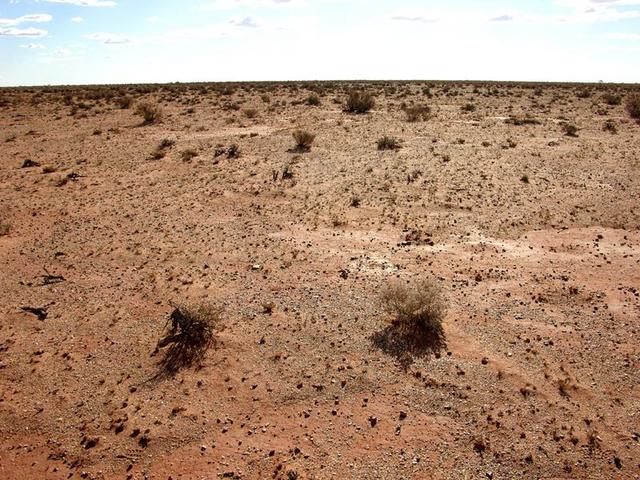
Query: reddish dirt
[{"x": 538, "y": 375}]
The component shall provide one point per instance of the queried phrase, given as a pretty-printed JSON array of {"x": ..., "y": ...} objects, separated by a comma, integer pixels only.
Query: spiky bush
[{"x": 359, "y": 102}]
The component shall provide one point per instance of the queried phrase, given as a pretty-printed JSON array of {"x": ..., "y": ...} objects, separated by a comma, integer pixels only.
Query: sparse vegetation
[
  {"x": 468, "y": 107},
  {"x": 417, "y": 305},
  {"x": 359, "y": 102},
  {"x": 303, "y": 140},
  {"x": 190, "y": 333},
  {"x": 388, "y": 143},
  {"x": 151, "y": 113}
]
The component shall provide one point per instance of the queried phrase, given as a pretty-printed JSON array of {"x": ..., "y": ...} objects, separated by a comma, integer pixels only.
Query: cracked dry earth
[{"x": 539, "y": 373}]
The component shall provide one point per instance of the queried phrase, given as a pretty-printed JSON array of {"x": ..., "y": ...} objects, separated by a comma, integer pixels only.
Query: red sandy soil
[{"x": 538, "y": 375}]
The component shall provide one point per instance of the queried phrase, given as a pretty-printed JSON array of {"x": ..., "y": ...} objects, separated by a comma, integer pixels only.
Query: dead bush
[
  {"x": 359, "y": 102},
  {"x": 612, "y": 99},
  {"x": 190, "y": 333},
  {"x": 303, "y": 140},
  {"x": 151, "y": 113},
  {"x": 417, "y": 306}
]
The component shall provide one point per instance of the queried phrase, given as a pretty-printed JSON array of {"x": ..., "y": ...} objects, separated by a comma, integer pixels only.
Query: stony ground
[{"x": 532, "y": 234}]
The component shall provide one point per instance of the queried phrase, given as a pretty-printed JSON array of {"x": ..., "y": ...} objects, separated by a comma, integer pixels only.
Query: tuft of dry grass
[{"x": 418, "y": 305}]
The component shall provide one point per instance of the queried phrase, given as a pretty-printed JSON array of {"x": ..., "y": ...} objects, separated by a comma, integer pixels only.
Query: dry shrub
[
  {"x": 417, "y": 112},
  {"x": 312, "y": 100},
  {"x": 190, "y": 333},
  {"x": 612, "y": 99},
  {"x": 418, "y": 305},
  {"x": 125, "y": 102},
  {"x": 359, "y": 102},
  {"x": 633, "y": 105},
  {"x": 388, "y": 143},
  {"x": 303, "y": 140},
  {"x": 151, "y": 113}
]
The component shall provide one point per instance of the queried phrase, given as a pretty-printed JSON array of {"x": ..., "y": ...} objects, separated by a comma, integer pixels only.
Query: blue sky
[{"x": 133, "y": 41}]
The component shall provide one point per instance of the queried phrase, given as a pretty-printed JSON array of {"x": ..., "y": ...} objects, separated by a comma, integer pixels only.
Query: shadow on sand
[{"x": 407, "y": 344}]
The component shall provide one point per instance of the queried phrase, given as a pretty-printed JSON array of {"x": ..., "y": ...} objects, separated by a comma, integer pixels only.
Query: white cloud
[
  {"x": 77, "y": 19},
  {"x": 86, "y": 3},
  {"x": 246, "y": 22},
  {"x": 228, "y": 4},
  {"x": 109, "y": 38},
  {"x": 33, "y": 46},
  {"x": 22, "y": 32},
  {"x": 622, "y": 36},
  {"x": 31, "y": 18}
]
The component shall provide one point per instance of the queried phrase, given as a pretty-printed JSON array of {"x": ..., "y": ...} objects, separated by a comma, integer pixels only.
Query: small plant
[
  {"x": 190, "y": 333},
  {"x": 150, "y": 112},
  {"x": 570, "y": 130},
  {"x": 468, "y": 107},
  {"x": 417, "y": 112},
  {"x": 303, "y": 140},
  {"x": 417, "y": 306},
  {"x": 359, "y": 102},
  {"x": 312, "y": 100},
  {"x": 610, "y": 126},
  {"x": 633, "y": 105},
  {"x": 388, "y": 143},
  {"x": 524, "y": 178}
]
